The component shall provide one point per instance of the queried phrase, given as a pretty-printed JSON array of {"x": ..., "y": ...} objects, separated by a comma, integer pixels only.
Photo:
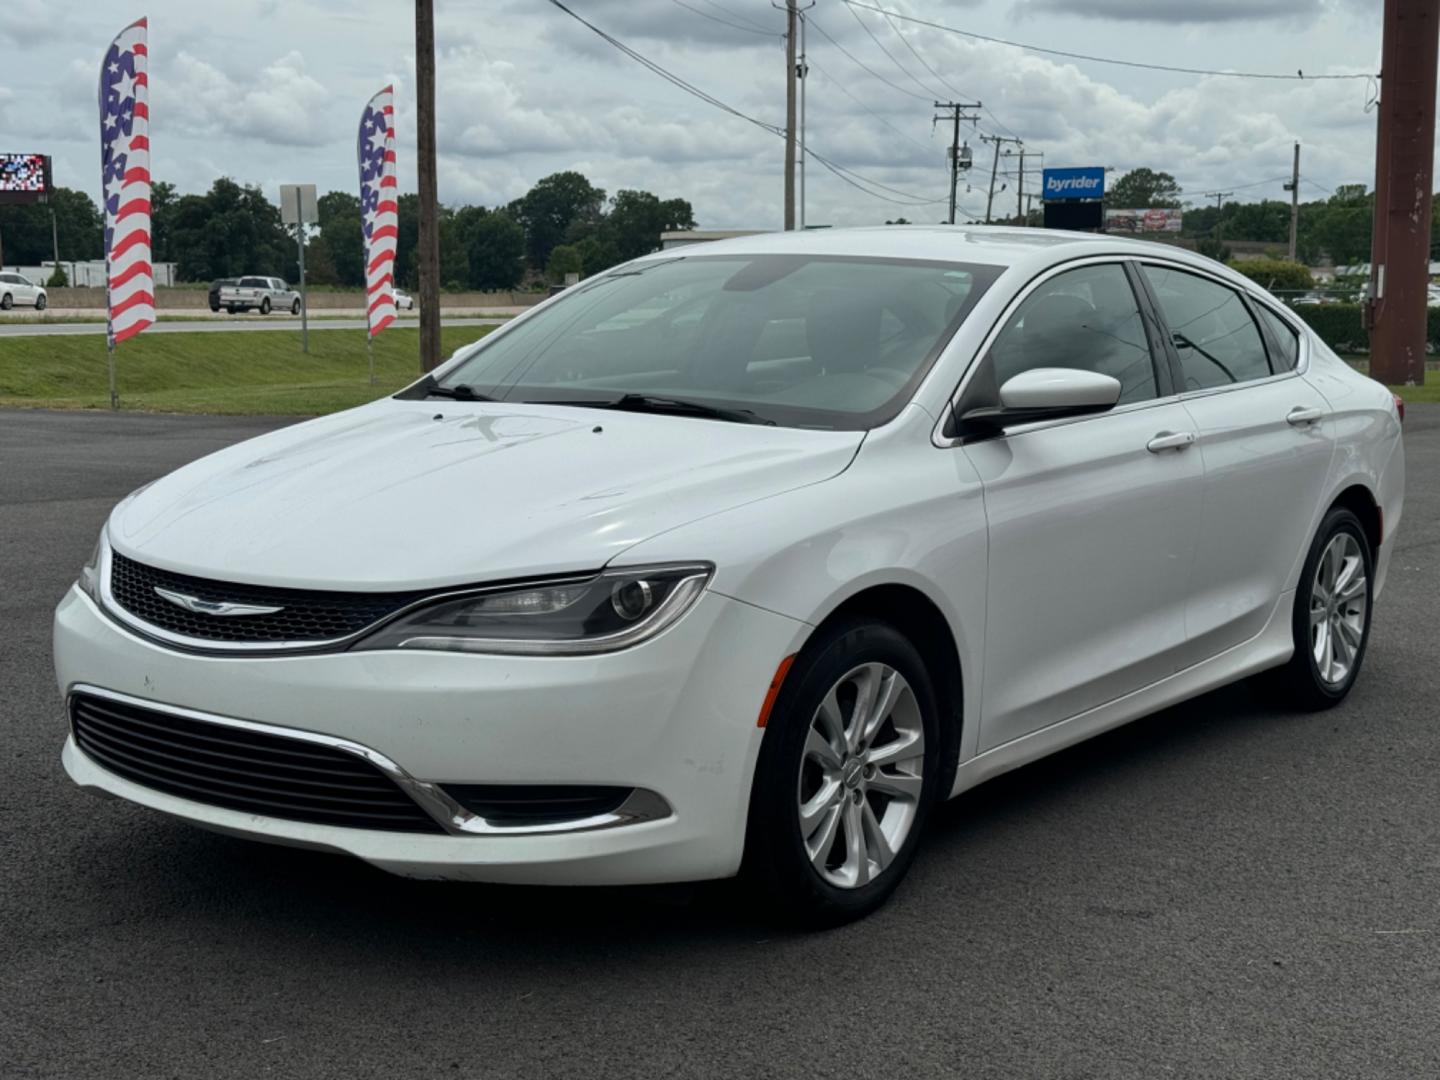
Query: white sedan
[
  {"x": 404, "y": 301},
  {"x": 741, "y": 560}
]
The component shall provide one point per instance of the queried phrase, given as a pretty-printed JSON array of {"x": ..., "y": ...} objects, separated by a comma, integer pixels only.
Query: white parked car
[
  {"x": 404, "y": 301},
  {"x": 742, "y": 559},
  {"x": 18, "y": 289}
]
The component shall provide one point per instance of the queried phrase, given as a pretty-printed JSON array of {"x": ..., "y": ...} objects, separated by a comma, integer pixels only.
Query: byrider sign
[{"x": 1082, "y": 183}]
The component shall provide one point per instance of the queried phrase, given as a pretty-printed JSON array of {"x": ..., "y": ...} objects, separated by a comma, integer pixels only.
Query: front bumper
[{"x": 674, "y": 716}]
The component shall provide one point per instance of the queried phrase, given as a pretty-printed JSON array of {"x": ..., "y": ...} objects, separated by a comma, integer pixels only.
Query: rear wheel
[
  {"x": 230, "y": 308},
  {"x": 6, "y": 302},
  {"x": 265, "y": 306},
  {"x": 845, "y": 777},
  {"x": 1331, "y": 619}
]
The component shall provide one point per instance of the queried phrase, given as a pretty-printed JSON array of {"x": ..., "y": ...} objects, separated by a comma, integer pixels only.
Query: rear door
[
  {"x": 1092, "y": 520},
  {"x": 1265, "y": 442}
]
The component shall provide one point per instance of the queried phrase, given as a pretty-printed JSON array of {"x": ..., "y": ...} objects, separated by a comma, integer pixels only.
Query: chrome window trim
[
  {"x": 641, "y": 805},
  {"x": 939, "y": 439}
]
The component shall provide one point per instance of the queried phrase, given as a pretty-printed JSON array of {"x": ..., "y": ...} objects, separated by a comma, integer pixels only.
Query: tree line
[{"x": 564, "y": 224}]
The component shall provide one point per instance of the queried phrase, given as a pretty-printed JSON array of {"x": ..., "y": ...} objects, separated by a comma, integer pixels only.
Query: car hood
[{"x": 413, "y": 494}]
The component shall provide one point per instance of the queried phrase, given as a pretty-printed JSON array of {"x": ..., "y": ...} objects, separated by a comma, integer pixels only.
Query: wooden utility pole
[
  {"x": 791, "y": 16},
  {"x": 956, "y": 111},
  {"x": 994, "y": 167},
  {"x": 428, "y": 254},
  {"x": 1020, "y": 189},
  {"x": 1396, "y": 308},
  {"x": 1294, "y": 188}
]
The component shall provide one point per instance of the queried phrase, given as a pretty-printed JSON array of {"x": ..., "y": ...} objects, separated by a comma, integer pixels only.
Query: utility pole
[
  {"x": 955, "y": 111},
  {"x": 1294, "y": 188},
  {"x": 802, "y": 70},
  {"x": 1396, "y": 306},
  {"x": 1020, "y": 188},
  {"x": 1220, "y": 197},
  {"x": 428, "y": 253},
  {"x": 791, "y": 16},
  {"x": 994, "y": 167}
]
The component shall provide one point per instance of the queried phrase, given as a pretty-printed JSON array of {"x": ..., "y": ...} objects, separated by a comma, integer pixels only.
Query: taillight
[{"x": 1399, "y": 407}]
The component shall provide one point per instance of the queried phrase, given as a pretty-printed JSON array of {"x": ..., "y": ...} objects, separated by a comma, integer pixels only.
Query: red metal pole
[{"x": 1404, "y": 164}]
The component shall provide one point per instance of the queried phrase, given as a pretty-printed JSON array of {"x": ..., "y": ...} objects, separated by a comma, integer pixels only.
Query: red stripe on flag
[
  {"x": 388, "y": 279},
  {"x": 129, "y": 275},
  {"x": 386, "y": 321},
  {"x": 132, "y": 330},
  {"x": 389, "y": 155},
  {"x": 131, "y": 301},
  {"x": 379, "y": 301},
  {"x": 140, "y": 142},
  {"x": 135, "y": 176},
  {"x": 388, "y": 110},
  {"x": 390, "y": 205},
  {"x": 389, "y": 181},
  {"x": 139, "y": 236},
  {"x": 134, "y": 206},
  {"x": 142, "y": 110},
  {"x": 139, "y": 48},
  {"x": 383, "y": 257},
  {"x": 141, "y": 79},
  {"x": 381, "y": 233}
]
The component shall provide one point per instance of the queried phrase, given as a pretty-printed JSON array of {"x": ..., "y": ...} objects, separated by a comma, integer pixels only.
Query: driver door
[{"x": 1092, "y": 520}]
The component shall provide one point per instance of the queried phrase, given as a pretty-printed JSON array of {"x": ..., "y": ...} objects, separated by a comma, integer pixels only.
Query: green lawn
[{"x": 220, "y": 372}]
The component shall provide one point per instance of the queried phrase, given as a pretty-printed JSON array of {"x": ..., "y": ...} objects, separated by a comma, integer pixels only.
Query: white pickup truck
[{"x": 264, "y": 294}]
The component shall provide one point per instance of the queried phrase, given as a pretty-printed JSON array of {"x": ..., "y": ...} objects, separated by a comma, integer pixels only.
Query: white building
[{"x": 86, "y": 272}]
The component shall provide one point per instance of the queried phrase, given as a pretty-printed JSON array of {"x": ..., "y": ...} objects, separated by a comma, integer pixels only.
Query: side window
[
  {"x": 1285, "y": 336},
  {"x": 1085, "y": 318},
  {"x": 1216, "y": 338}
]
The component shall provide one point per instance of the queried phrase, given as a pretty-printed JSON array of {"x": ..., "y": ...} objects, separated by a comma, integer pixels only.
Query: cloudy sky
[{"x": 524, "y": 90}]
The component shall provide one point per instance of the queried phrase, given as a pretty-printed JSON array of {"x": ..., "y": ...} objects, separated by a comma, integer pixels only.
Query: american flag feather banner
[
  {"x": 379, "y": 213},
  {"x": 125, "y": 182}
]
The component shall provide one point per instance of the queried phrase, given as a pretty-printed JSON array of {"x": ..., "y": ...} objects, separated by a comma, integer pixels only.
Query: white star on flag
[
  {"x": 377, "y": 140},
  {"x": 125, "y": 86}
]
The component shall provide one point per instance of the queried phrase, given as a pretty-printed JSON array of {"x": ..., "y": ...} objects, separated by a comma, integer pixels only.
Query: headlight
[
  {"x": 89, "y": 580},
  {"x": 570, "y": 617}
]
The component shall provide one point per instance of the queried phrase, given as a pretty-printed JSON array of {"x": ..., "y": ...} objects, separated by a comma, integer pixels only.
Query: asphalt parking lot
[{"x": 1221, "y": 890}]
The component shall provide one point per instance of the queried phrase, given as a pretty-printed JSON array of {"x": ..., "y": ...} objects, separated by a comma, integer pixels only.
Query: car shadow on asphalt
[{"x": 235, "y": 886}]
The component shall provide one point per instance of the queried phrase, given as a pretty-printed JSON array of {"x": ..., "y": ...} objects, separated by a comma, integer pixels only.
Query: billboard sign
[
  {"x": 1153, "y": 220},
  {"x": 1082, "y": 183},
  {"x": 24, "y": 177}
]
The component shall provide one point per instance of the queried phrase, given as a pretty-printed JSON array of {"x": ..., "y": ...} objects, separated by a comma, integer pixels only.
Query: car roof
[{"x": 992, "y": 245}]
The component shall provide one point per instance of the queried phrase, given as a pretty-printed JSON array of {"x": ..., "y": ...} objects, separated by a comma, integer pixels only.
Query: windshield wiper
[
  {"x": 650, "y": 403},
  {"x": 428, "y": 388}
]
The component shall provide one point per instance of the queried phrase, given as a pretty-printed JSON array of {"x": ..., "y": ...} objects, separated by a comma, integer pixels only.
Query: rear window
[
  {"x": 254, "y": 283},
  {"x": 1285, "y": 337}
]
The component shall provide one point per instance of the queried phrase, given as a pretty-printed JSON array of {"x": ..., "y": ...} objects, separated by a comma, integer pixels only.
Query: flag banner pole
[
  {"x": 379, "y": 214},
  {"x": 124, "y": 100}
]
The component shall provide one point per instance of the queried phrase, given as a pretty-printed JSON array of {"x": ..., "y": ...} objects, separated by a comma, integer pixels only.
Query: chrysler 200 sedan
[{"x": 738, "y": 559}]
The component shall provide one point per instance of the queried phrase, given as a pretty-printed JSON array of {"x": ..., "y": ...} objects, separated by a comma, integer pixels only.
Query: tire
[
  {"x": 295, "y": 308},
  {"x": 40, "y": 302},
  {"x": 841, "y": 883},
  {"x": 214, "y": 305},
  {"x": 6, "y": 302},
  {"x": 1305, "y": 682},
  {"x": 265, "y": 305},
  {"x": 230, "y": 308}
]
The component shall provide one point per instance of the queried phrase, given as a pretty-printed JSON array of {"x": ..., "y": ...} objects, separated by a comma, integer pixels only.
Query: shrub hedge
[{"x": 1339, "y": 326}]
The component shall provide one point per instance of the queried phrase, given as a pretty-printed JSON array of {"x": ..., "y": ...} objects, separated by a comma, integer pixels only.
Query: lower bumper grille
[
  {"x": 537, "y": 804},
  {"x": 242, "y": 769}
]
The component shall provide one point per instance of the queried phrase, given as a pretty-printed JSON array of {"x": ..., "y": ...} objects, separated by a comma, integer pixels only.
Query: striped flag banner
[
  {"x": 379, "y": 213},
  {"x": 125, "y": 184}
]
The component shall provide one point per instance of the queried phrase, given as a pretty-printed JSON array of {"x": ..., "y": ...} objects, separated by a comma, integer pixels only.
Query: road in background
[
  {"x": 1220, "y": 890},
  {"x": 203, "y": 326}
]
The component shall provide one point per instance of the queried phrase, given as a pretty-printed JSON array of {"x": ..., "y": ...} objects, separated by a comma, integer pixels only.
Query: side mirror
[{"x": 1043, "y": 394}]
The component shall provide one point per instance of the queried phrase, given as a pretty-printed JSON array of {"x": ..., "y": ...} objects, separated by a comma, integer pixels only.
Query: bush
[
  {"x": 1339, "y": 326},
  {"x": 1274, "y": 273},
  {"x": 58, "y": 280}
]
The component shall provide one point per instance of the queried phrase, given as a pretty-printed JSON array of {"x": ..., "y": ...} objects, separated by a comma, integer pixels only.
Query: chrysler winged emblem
[{"x": 213, "y": 607}]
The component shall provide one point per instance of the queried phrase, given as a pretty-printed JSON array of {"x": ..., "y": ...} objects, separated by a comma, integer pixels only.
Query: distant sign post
[
  {"x": 1072, "y": 198},
  {"x": 298, "y": 207}
]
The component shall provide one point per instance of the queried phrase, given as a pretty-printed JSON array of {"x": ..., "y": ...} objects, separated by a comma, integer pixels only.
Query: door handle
[
  {"x": 1170, "y": 440},
  {"x": 1301, "y": 415}
]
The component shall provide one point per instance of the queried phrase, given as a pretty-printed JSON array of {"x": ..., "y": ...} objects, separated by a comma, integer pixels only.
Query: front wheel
[
  {"x": 40, "y": 302},
  {"x": 6, "y": 302},
  {"x": 1331, "y": 619},
  {"x": 295, "y": 308},
  {"x": 846, "y": 775},
  {"x": 265, "y": 306}
]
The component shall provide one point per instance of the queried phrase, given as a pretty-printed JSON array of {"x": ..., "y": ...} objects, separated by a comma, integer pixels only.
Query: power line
[
  {"x": 846, "y": 91},
  {"x": 726, "y": 22},
  {"x": 854, "y": 179},
  {"x": 1299, "y": 76},
  {"x": 737, "y": 15},
  {"x": 895, "y": 86},
  {"x": 888, "y": 55}
]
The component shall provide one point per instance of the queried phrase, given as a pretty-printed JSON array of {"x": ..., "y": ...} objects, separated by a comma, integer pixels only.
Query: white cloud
[{"x": 280, "y": 105}]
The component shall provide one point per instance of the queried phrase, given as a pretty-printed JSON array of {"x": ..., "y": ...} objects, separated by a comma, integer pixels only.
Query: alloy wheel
[
  {"x": 1339, "y": 599},
  {"x": 861, "y": 775}
]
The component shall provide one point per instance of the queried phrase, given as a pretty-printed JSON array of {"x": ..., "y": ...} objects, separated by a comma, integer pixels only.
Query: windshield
[{"x": 797, "y": 340}]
